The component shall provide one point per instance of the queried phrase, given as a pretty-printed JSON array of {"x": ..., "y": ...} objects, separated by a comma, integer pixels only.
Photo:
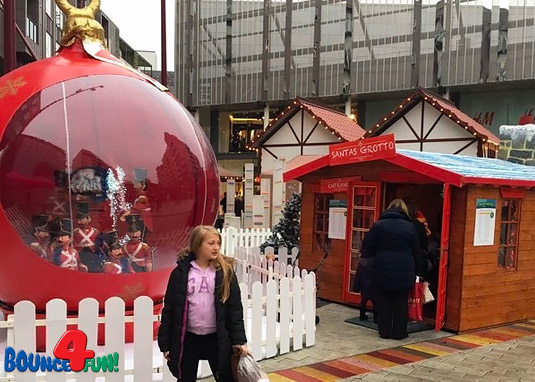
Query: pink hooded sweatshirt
[{"x": 201, "y": 304}]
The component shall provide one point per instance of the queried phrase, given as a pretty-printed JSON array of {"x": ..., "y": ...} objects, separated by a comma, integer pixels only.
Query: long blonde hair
[
  {"x": 197, "y": 237},
  {"x": 398, "y": 204}
]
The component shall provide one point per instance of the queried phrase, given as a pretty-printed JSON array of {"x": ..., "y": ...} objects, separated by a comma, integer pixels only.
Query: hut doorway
[{"x": 425, "y": 202}]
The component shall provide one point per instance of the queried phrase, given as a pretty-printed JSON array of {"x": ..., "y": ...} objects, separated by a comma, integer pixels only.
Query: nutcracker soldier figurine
[
  {"x": 138, "y": 252},
  {"x": 85, "y": 238},
  {"x": 41, "y": 243},
  {"x": 57, "y": 205},
  {"x": 64, "y": 255},
  {"x": 116, "y": 261},
  {"x": 141, "y": 205}
]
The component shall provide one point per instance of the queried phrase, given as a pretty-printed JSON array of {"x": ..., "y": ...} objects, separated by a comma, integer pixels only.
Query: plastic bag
[
  {"x": 416, "y": 297},
  {"x": 428, "y": 296},
  {"x": 249, "y": 370}
]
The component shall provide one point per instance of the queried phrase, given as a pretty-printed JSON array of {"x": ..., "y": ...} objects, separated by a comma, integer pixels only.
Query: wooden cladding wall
[
  {"x": 331, "y": 274},
  {"x": 492, "y": 295},
  {"x": 455, "y": 263}
]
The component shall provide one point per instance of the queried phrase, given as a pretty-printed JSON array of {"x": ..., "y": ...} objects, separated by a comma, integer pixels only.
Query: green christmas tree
[{"x": 286, "y": 232}]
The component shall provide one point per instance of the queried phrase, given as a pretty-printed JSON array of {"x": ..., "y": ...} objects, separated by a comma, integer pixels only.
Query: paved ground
[
  {"x": 508, "y": 361},
  {"x": 337, "y": 339},
  {"x": 503, "y": 362}
]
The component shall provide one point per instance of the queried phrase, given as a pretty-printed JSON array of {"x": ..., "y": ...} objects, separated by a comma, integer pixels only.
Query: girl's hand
[
  {"x": 241, "y": 350},
  {"x": 166, "y": 355}
]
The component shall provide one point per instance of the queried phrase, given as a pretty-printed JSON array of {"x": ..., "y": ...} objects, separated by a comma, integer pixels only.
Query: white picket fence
[
  {"x": 281, "y": 303},
  {"x": 279, "y": 314},
  {"x": 232, "y": 238}
]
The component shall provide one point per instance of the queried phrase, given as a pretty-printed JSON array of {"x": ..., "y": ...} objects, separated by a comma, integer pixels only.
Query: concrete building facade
[
  {"x": 41, "y": 22},
  {"x": 249, "y": 59}
]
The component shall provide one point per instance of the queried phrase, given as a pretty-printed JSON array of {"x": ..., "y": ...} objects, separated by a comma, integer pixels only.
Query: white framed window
[{"x": 49, "y": 45}]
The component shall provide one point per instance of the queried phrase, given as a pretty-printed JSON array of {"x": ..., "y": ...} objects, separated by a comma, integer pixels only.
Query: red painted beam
[
  {"x": 10, "y": 60},
  {"x": 164, "y": 46},
  {"x": 440, "y": 315}
]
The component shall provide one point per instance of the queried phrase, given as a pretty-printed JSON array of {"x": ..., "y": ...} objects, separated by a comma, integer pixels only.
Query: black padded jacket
[
  {"x": 229, "y": 317},
  {"x": 393, "y": 242}
]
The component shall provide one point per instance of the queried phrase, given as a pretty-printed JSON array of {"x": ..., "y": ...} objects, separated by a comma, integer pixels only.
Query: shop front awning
[{"x": 457, "y": 170}]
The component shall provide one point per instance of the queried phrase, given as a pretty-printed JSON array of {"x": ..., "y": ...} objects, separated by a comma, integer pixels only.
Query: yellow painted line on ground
[
  {"x": 439, "y": 347},
  {"x": 476, "y": 340},
  {"x": 317, "y": 374},
  {"x": 426, "y": 349},
  {"x": 377, "y": 361},
  {"x": 279, "y": 378}
]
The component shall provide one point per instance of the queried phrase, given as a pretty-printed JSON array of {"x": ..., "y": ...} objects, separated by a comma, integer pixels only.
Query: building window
[
  {"x": 321, "y": 220},
  {"x": 509, "y": 231},
  {"x": 59, "y": 19},
  {"x": 48, "y": 7},
  {"x": 243, "y": 131},
  {"x": 31, "y": 30},
  {"x": 49, "y": 45}
]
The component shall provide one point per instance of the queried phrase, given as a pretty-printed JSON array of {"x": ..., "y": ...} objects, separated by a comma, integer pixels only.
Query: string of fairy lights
[
  {"x": 321, "y": 122},
  {"x": 437, "y": 105},
  {"x": 426, "y": 97}
]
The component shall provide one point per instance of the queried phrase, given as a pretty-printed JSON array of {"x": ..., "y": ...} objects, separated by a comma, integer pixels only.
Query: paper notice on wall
[
  {"x": 248, "y": 196},
  {"x": 485, "y": 222},
  {"x": 337, "y": 219}
]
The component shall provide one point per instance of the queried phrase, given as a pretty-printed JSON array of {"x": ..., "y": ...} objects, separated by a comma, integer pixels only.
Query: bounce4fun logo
[{"x": 71, "y": 354}]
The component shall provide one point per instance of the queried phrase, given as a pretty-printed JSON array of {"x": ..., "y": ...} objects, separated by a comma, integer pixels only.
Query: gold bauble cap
[{"x": 81, "y": 23}]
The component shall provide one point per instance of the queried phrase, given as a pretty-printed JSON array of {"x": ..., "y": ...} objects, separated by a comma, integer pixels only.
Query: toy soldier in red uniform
[
  {"x": 141, "y": 205},
  {"x": 85, "y": 238},
  {"x": 58, "y": 207},
  {"x": 139, "y": 253},
  {"x": 41, "y": 243},
  {"x": 57, "y": 204},
  {"x": 64, "y": 255},
  {"x": 116, "y": 261}
]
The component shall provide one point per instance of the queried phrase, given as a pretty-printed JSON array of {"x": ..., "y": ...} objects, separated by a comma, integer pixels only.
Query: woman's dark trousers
[{"x": 393, "y": 309}]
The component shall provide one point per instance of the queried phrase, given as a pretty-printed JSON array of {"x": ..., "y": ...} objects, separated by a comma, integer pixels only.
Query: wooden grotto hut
[
  {"x": 301, "y": 133},
  {"x": 304, "y": 129},
  {"x": 427, "y": 122},
  {"x": 480, "y": 211}
]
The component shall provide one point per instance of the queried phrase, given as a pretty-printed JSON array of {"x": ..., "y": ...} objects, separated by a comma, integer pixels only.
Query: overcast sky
[{"x": 139, "y": 24}]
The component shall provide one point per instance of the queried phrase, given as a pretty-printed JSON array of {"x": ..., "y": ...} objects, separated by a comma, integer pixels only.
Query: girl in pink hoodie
[{"x": 202, "y": 317}]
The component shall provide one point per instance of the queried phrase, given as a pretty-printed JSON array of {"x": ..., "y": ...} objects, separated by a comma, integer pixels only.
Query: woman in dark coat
[
  {"x": 202, "y": 316},
  {"x": 393, "y": 242}
]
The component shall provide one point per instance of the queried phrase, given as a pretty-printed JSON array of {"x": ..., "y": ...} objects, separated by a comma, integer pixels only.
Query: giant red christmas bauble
[{"x": 104, "y": 127}]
